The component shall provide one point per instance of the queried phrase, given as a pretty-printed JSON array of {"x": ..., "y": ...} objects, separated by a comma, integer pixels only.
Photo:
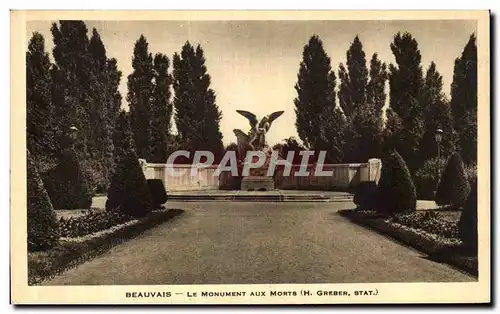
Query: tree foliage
[
  {"x": 40, "y": 121},
  {"x": 353, "y": 80},
  {"x": 85, "y": 95},
  {"x": 123, "y": 138},
  {"x": 406, "y": 83},
  {"x": 464, "y": 101},
  {"x": 197, "y": 115},
  {"x": 140, "y": 88},
  {"x": 437, "y": 115},
  {"x": 320, "y": 124},
  {"x": 361, "y": 100},
  {"x": 375, "y": 90},
  {"x": 161, "y": 109}
]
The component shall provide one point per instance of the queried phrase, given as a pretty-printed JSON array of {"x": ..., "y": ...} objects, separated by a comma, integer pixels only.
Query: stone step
[{"x": 258, "y": 196}]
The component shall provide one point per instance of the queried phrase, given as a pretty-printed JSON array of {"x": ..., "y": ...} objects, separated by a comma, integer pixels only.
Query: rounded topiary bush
[
  {"x": 67, "y": 185},
  {"x": 129, "y": 190},
  {"x": 158, "y": 192},
  {"x": 426, "y": 178},
  {"x": 43, "y": 231},
  {"x": 396, "y": 192},
  {"x": 467, "y": 224},
  {"x": 365, "y": 196},
  {"x": 453, "y": 187}
]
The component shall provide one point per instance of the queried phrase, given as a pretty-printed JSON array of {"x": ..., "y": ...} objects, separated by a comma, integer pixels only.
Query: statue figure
[{"x": 255, "y": 139}]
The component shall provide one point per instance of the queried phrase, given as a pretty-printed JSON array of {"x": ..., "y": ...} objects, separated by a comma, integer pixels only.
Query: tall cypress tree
[
  {"x": 406, "y": 81},
  {"x": 364, "y": 124},
  {"x": 41, "y": 125},
  {"x": 437, "y": 115},
  {"x": 315, "y": 109},
  {"x": 197, "y": 114},
  {"x": 139, "y": 95},
  {"x": 161, "y": 109},
  {"x": 464, "y": 101},
  {"x": 353, "y": 82},
  {"x": 114, "y": 76},
  {"x": 73, "y": 80},
  {"x": 375, "y": 90},
  {"x": 101, "y": 117},
  {"x": 123, "y": 138}
]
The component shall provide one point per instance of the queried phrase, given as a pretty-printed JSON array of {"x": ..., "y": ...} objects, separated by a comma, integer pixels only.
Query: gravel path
[{"x": 257, "y": 243}]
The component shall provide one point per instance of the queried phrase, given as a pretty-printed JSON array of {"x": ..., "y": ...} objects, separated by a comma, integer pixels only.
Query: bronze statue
[{"x": 255, "y": 139}]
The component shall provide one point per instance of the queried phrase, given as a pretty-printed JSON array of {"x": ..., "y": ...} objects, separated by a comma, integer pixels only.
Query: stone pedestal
[
  {"x": 257, "y": 179},
  {"x": 257, "y": 183}
]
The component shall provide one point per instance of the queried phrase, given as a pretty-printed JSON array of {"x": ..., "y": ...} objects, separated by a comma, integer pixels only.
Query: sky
[{"x": 254, "y": 64}]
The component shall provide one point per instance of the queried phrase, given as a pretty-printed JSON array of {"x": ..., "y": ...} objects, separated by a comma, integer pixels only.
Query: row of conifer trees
[
  {"x": 345, "y": 111},
  {"x": 79, "y": 88}
]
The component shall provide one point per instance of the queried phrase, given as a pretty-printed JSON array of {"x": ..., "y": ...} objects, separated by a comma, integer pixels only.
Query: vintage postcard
[{"x": 250, "y": 157}]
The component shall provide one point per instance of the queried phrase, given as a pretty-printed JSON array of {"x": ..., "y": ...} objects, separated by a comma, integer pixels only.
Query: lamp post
[{"x": 438, "y": 136}]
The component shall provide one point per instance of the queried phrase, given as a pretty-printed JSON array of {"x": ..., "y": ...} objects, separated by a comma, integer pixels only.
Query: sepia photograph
[{"x": 246, "y": 157}]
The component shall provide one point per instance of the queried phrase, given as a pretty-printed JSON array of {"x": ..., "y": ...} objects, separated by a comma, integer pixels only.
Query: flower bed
[
  {"x": 73, "y": 251},
  {"x": 416, "y": 230},
  {"x": 429, "y": 221},
  {"x": 91, "y": 222}
]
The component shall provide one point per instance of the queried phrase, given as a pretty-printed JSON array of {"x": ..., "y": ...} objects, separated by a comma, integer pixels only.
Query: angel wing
[
  {"x": 250, "y": 116},
  {"x": 243, "y": 141},
  {"x": 268, "y": 120},
  {"x": 241, "y": 136},
  {"x": 273, "y": 116}
]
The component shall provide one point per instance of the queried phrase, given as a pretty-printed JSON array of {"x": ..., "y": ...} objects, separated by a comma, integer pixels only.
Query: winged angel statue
[{"x": 255, "y": 139}]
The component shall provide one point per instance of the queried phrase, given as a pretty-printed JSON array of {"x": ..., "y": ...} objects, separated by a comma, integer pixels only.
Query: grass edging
[
  {"x": 436, "y": 250},
  {"x": 47, "y": 264}
]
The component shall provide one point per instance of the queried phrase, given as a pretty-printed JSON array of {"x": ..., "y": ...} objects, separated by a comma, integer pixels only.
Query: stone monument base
[{"x": 257, "y": 183}]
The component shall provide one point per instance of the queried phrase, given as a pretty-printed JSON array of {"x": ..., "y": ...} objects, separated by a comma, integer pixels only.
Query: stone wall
[{"x": 345, "y": 176}]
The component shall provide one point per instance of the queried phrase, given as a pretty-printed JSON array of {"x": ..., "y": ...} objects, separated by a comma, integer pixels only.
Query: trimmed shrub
[
  {"x": 396, "y": 191},
  {"x": 426, "y": 178},
  {"x": 43, "y": 231},
  {"x": 365, "y": 196},
  {"x": 158, "y": 192},
  {"x": 468, "y": 220},
  {"x": 129, "y": 190},
  {"x": 66, "y": 184},
  {"x": 453, "y": 187}
]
